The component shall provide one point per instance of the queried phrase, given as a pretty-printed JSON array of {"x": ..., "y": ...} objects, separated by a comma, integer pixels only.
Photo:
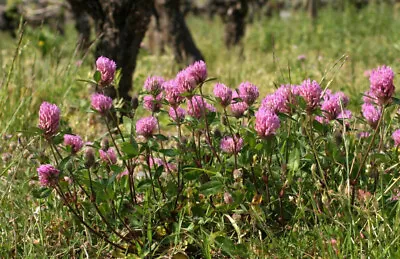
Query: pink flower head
[
  {"x": 301, "y": 57},
  {"x": 311, "y": 93},
  {"x": 124, "y": 173},
  {"x": 280, "y": 100},
  {"x": 369, "y": 97},
  {"x": 228, "y": 199},
  {"x": 345, "y": 114},
  {"x": 274, "y": 102},
  {"x": 223, "y": 93},
  {"x": 248, "y": 92},
  {"x": 107, "y": 69},
  {"x": 396, "y": 137},
  {"x": 343, "y": 98},
  {"x": 321, "y": 119},
  {"x": 231, "y": 145},
  {"x": 238, "y": 107},
  {"x": 186, "y": 82},
  {"x": 267, "y": 122},
  {"x": 382, "y": 87},
  {"x": 197, "y": 106},
  {"x": 287, "y": 93},
  {"x": 371, "y": 114},
  {"x": 153, "y": 85},
  {"x": 48, "y": 175},
  {"x": 108, "y": 156},
  {"x": 49, "y": 118},
  {"x": 331, "y": 108},
  {"x": 101, "y": 103},
  {"x": 295, "y": 89},
  {"x": 189, "y": 78},
  {"x": 363, "y": 134},
  {"x": 74, "y": 141},
  {"x": 146, "y": 126},
  {"x": 177, "y": 114},
  {"x": 173, "y": 93},
  {"x": 199, "y": 71},
  {"x": 152, "y": 103},
  {"x": 157, "y": 162}
]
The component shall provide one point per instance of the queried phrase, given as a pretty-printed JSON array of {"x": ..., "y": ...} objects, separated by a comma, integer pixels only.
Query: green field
[{"x": 338, "y": 48}]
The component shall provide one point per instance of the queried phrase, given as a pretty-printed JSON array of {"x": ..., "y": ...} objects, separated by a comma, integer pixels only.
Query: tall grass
[{"x": 40, "y": 65}]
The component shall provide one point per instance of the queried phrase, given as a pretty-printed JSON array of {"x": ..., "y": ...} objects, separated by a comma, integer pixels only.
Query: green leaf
[
  {"x": 130, "y": 149},
  {"x": 64, "y": 163},
  {"x": 379, "y": 157},
  {"x": 169, "y": 152},
  {"x": 318, "y": 126},
  {"x": 396, "y": 100},
  {"x": 87, "y": 81},
  {"x": 144, "y": 183},
  {"x": 161, "y": 137},
  {"x": 210, "y": 79},
  {"x": 153, "y": 144},
  {"x": 41, "y": 193},
  {"x": 58, "y": 139},
  {"x": 117, "y": 169},
  {"x": 211, "y": 188},
  {"x": 191, "y": 175},
  {"x": 226, "y": 245},
  {"x": 97, "y": 76},
  {"x": 159, "y": 171},
  {"x": 294, "y": 160},
  {"x": 259, "y": 146},
  {"x": 211, "y": 116}
]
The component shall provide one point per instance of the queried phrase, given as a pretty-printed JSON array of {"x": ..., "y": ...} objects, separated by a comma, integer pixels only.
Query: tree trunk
[
  {"x": 313, "y": 9},
  {"x": 121, "y": 26},
  {"x": 82, "y": 25},
  {"x": 172, "y": 26},
  {"x": 233, "y": 14}
]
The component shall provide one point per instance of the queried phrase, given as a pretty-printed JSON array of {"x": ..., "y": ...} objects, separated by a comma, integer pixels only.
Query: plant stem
[
  {"x": 310, "y": 136},
  {"x": 151, "y": 177},
  {"x": 233, "y": 136},
  {"x": 354, "y": 181},
  {"x": 207, "y": 126},
  {"x": 102, "y": 236},
  {"x": 127, "y": 166},
  {"x": 98, "y": 210}
]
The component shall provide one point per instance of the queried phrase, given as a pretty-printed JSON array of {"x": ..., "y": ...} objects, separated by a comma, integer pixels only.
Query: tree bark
[
  {"x": 120, "y": 26},
  {"x": 313, "y": 9},
  {"x": 233, "y": 14},
  {"x": 173, "y": 29},
  {"x": 82, "y": 26}
]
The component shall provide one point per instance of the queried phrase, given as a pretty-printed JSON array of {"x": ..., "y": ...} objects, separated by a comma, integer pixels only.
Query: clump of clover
[{"x": 219, "y": 154}]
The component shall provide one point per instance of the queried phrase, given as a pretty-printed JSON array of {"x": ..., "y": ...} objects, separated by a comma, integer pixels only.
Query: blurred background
[{"x": 48, "y": 44}]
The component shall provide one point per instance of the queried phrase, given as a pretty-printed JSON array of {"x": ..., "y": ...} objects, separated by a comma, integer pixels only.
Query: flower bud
[
  {"x": 237, "y": 174},
  {"x": 6, "y": 157},
  {"x": 228, "y": 198},
  {"x": 12, "y": 146},
  {"x": 217, "y": 134},
  {"x": 89, "y": 157},
  {"x": 135, "y": 102},
  {"x": 104, "y": 144},
  {"x": 236, "y": 217},
  {"x": 265, "y": 179}
]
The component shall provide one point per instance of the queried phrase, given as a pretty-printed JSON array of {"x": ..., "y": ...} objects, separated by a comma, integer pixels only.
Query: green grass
[{"x": 339, "y": 47}]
